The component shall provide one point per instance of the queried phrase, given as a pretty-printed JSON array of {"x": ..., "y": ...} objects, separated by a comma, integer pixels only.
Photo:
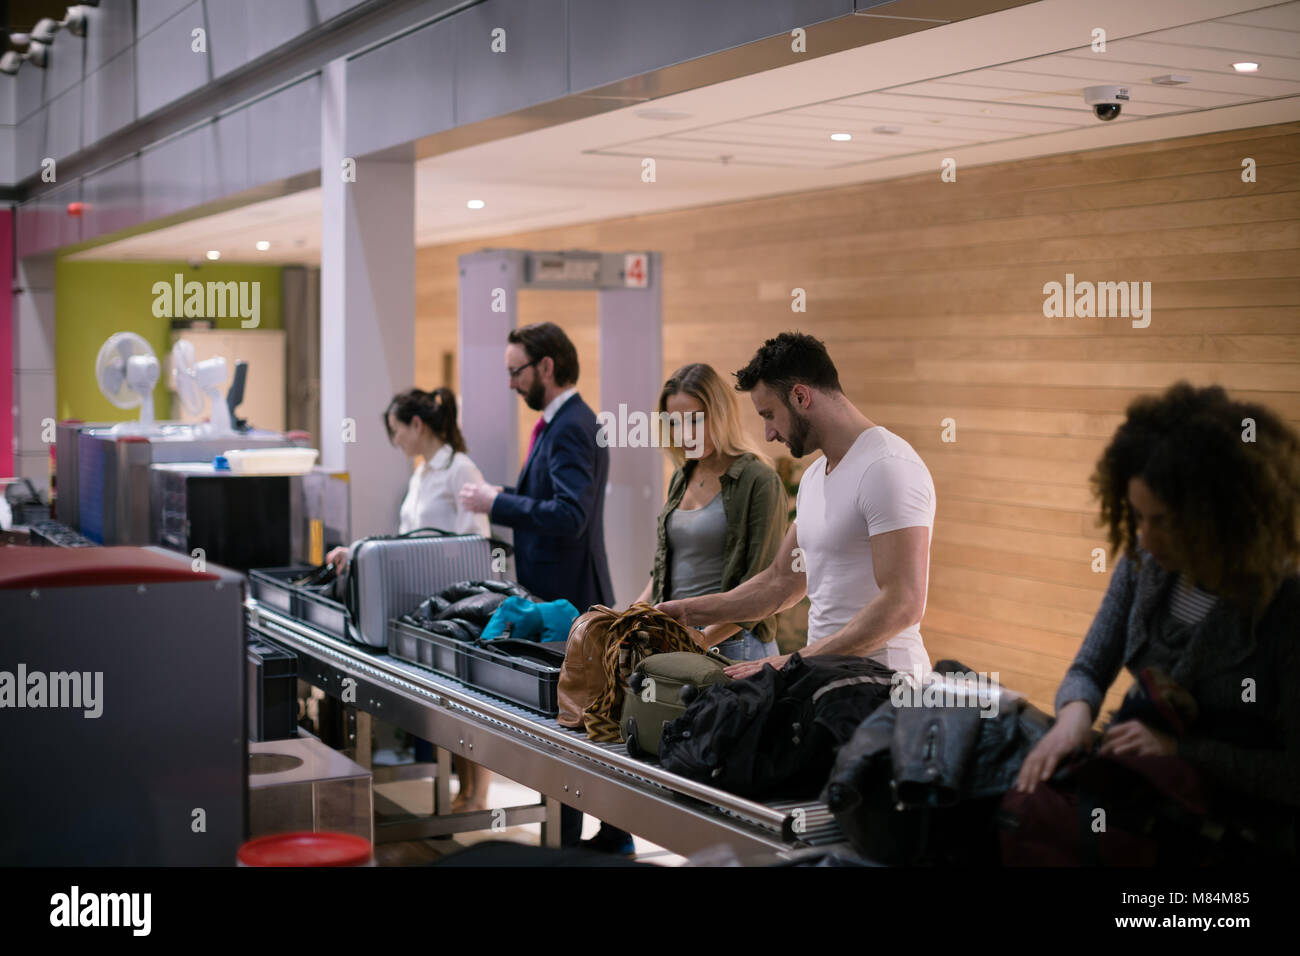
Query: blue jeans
[{"x": 744, "y": 646}]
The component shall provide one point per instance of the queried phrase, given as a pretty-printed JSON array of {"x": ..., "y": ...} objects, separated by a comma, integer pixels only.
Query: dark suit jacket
[{"x": 557, "y": 511}]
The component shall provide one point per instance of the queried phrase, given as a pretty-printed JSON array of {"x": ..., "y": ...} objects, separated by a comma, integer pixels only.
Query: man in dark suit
[{"x": 557, "y": 510}]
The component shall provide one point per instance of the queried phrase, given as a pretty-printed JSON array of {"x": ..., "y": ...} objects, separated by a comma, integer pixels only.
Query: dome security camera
[{"x": 1106, "y": 101}]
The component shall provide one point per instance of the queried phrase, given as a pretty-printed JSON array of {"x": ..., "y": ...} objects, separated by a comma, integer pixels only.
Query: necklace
[{"x": 704, "y": 476}]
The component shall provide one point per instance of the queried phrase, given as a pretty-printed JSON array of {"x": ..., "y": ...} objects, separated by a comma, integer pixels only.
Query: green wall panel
[{"x": 94, "y": 299}]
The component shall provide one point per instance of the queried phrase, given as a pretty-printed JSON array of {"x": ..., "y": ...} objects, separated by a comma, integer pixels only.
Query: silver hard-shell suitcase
[{"x": 390, "y": 576}]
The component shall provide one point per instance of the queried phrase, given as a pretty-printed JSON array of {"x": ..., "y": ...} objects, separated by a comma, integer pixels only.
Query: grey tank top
[{"x": 696, "y": 540}]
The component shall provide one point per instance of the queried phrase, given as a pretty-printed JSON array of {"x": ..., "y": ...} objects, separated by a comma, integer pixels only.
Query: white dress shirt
[
  {"x": 431, "y": 495},
  {"x": 554, "y": 405}
]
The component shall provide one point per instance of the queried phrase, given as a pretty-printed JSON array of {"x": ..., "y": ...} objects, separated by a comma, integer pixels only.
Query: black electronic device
[{"x": 235, "y": 396}]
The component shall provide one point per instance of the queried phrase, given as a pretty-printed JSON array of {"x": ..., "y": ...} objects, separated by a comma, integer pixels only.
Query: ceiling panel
[
  {"x": 1019, "y": 99},
  {"x": 1189, "y": 96},
  {"x": 1089, "y": 70},
  {"x": 1008, "y": 117},
  {"x": 1170, "y": 57},
  {"x": 1284, "y": 16},
  {"x": 947, "y": 88},
  {"x": 1218, "y": 35}
]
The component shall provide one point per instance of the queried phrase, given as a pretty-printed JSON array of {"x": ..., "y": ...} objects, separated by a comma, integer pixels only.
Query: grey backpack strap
[{"x": 848, "y": 682}]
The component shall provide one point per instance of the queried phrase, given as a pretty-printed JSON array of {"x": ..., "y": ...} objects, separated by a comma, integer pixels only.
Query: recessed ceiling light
[
  {"x": 475, "y": 204},
  {"x": 1171, "y": 79},
  {"x": 214, "y": 254},
  {"x": 1245, "y": 67},
  {"x": 935, "y": 120},
  {"x": 986, "y": 111},
  {"x": 887, "y": 130},
  {"x": 263, "y": 245},
  {"x": 841, "y": 137},
  {"x": 663, "y": 115}
]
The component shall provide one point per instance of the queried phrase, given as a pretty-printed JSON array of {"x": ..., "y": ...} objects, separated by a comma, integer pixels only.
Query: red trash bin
[{"x": 306, "y": 849}]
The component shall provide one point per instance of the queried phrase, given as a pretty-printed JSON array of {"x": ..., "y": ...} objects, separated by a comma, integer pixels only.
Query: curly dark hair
[
  {"x": 1234, "y": 502},
  {"x": 790, "y": 359}
]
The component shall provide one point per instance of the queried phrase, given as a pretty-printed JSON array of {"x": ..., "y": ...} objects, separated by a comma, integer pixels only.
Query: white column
[
  {"x": 34, "y": 395},
  {"x": 367, "y": 310}
]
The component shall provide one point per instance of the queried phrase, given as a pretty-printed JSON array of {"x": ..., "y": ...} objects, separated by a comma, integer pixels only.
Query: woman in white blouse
[{"x": 423, "y": 424}]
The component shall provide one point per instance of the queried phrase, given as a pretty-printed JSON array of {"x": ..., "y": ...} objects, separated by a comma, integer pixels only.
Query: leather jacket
[{"x": 938, "y": 756}]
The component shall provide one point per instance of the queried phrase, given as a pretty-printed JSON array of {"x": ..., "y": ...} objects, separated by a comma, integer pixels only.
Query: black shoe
[{"x": 618, "y": 843}]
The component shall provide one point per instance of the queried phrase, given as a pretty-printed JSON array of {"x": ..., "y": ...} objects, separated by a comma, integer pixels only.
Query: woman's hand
[
  {"x": 339, "y": 558},
  {"x": 1073, "y": 729},
  {"x": 1135, "y": 737}
]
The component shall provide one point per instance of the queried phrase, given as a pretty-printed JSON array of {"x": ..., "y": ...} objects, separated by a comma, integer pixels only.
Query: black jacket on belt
[{"x": 904, "y": 761}]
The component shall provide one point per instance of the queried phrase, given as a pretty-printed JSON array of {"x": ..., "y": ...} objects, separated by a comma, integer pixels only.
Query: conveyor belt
[{"x": 677, "y": 813}]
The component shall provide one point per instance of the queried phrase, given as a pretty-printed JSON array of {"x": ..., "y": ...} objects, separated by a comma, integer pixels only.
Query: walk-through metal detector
[{"x": 631, "y": 373}]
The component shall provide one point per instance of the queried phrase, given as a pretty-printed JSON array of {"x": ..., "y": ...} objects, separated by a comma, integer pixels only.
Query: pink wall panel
[{"x": 6, "y": 342}]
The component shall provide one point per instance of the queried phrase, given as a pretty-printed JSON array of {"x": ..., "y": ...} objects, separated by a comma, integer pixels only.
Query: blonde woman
[{"x": 725, "y": 512}]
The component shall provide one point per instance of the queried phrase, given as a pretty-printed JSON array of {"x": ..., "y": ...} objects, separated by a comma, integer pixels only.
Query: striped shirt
[{"x": 1188, "y": 603}]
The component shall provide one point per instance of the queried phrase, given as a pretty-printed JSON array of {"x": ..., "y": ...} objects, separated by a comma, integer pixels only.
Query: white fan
[
  {"x": 127, "y": 370},
  {"x": 191, "y": 380}
]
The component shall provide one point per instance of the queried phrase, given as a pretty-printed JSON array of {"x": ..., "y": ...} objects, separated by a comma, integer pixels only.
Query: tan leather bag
[
  {"x": 634, "y": 635},
  {"x": 582, "y": 677}
]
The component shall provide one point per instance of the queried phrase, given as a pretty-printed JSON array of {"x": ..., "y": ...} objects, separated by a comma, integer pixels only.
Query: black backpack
[{"x": 775, "y": 733}]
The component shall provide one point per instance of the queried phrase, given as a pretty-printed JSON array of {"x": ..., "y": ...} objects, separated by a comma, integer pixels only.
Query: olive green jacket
[{"x": 754, "y": 502}]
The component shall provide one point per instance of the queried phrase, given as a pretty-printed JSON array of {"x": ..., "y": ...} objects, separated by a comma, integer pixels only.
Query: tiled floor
[{"x": 416, "y": 796}]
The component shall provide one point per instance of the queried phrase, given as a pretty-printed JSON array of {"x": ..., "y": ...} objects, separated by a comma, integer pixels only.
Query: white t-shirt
[
  {"x": 431, "y": 500},
  {"x": 880, "y": 485}
]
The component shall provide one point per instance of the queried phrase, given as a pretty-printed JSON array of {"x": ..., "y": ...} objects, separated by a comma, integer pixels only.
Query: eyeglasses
[{"x": 514, "y": 372}]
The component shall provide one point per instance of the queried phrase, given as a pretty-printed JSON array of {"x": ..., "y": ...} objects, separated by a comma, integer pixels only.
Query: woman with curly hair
[{"x": 1202, "y": 494}]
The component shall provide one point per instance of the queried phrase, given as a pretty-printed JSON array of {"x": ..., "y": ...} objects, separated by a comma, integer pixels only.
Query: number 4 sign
[{"x": 635, "y": 271}]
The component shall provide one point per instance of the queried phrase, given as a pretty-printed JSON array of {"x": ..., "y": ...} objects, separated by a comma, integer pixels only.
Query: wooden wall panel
[{"x": 929, "y": 297}]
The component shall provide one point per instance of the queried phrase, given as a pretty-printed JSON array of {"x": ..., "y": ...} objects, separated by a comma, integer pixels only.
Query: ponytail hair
[{"x": 437, "y": 409}]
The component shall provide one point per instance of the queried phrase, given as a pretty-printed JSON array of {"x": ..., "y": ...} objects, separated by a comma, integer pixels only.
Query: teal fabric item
[
  {"x": 557, "y": 619},
  {"x": 523, "y": 617},
  {"x": 528, "y": 621}
]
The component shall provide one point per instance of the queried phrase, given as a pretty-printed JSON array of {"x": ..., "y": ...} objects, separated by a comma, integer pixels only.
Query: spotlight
[
  {"x": 10, "y": 62},
  {"x": 841, "y": 137},
  {"x": 263, "y": 245},
  {"x": 1246, "y": 66},
  {"x": 75, "y": 21},
  {"x": 214, "y": 254},
  {"x": 38, "y": 54},
  {"x": 475, "y": 204},
  {"x": 45, "y": 29}
]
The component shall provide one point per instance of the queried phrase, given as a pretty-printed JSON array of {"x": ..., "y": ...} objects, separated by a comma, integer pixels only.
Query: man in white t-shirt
[{"x": 860, "y": 544}]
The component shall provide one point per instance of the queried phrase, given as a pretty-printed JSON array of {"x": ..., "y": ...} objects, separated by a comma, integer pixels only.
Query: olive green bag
[{"x": 658, "y": 691}]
